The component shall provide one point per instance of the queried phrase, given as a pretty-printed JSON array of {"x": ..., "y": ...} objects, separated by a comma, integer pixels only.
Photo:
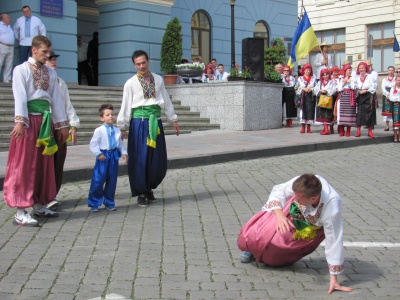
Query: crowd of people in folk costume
[{"x": 339, "y": 95}]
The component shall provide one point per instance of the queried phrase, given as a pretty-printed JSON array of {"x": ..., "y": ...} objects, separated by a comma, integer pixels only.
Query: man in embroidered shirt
[
  {"x": 143, "y": 99},
  {"x": 297, "y": 217},
  {"x": 25, "y": 29},
  {"x": 29, "y": 179}
]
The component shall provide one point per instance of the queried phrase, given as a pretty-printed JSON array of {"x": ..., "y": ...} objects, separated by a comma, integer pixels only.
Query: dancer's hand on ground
[
  {"x": 283, "y": 224},
  {"x": 335, "y": 286}
]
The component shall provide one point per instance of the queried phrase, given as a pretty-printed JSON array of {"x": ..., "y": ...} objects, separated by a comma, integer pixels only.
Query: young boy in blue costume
[{"x": 108, "y": 146}]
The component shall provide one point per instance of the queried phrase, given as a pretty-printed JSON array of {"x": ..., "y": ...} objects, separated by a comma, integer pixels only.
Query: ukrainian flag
[{"x": 304, "y": 40}]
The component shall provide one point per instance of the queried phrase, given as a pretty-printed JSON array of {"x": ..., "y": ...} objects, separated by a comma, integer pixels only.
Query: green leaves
[{"x": 171, "y": 47}]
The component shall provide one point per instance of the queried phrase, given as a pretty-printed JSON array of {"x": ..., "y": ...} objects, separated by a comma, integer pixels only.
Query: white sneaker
[
  {"x": 53, "y": 204},
  {"x": 45, "y": 212},
  {"x": 25, "y": 220}
]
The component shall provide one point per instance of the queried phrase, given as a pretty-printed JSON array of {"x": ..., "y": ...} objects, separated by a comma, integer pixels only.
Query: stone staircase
[{"x": 86, "y": 101}]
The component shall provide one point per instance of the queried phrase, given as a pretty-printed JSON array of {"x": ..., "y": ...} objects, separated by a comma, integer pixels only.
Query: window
[
  {"x": 382, "y": 45},
  {"x": 337, "y": 46},
  {"x": 261, "y": 31},
  {"x": 201, "y": 36}
]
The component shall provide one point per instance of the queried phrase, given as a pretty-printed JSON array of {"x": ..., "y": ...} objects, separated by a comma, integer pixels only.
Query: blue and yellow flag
[
  {"x": 396, "y": 47},
  {"x": 304, "y": 40}
]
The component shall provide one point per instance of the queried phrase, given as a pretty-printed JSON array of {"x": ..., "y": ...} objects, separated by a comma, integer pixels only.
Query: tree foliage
[
  {"x": 171, "y": 47},
  {"x": 276, "y": 54}
]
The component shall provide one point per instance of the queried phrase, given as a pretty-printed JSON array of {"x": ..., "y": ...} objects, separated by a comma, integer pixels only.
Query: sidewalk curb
[{"x": 74, "y": 175}]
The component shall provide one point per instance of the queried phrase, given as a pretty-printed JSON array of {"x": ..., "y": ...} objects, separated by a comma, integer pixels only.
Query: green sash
[
  {"x": 304, "y": 230},
  {"x": 150, "y": 112},
  {"x": 45, "y": 137}
]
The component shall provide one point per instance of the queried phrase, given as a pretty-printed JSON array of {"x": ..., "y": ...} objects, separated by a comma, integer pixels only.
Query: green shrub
[
  {"x": 276, "y": 54},
  {"x": 171, "y": 47}
]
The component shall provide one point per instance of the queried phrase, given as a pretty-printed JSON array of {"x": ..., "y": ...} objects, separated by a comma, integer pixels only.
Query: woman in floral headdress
[
  {"x": 346, "y": 105},
  {"x": 288, "y": 96},
  {"x": 394, "y": 97},
  {"x": 305, "y": 85},
  {"x": 324, "y": 87},
  {"x": 208, "y": 74},
  {"x": 366, "y": 106},
  {"x": 335, "y": 76},
  {"x": 387, "y": 83}
]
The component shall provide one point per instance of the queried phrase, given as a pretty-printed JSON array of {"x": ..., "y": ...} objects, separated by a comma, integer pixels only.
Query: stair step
[{"x": 86, "y": 101}]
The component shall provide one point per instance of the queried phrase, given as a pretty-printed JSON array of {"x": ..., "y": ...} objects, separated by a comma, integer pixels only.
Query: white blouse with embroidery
[
  {"x": 40, "y": 84},
  {"x": 289, "y": 82},
  {"x": 348, "y": 85},
  {"x": 100, "y": 142},
  {"x": 133, "y": 97},
  {"x": 330, "y": 88},
  {"x": 328, "y": 214},
  {"x": 368, "y": 84},
  {"x": 301, "y": 83},
  {"x": 386, "y": 83},
  {"x": 394, "y": 96}
]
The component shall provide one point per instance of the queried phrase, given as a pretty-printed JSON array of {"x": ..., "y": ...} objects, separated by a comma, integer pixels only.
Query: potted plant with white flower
[{"x": 190, "y": 69}]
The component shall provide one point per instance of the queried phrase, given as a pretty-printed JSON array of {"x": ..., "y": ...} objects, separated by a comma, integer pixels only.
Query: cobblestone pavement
[{"x": 184, "y": 246}]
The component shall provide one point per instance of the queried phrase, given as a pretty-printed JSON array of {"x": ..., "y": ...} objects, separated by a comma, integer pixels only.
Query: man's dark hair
[
  {"x": 103, "y": 107},
  {"x": 184, "y": 61},
  {"x": 26, "y": 6},
  {"x": 139, "y": 53},
  {"x": 220, "y": 65},
  {"x": 212, "y": 59},
  {"x": 308, "y": 184}
]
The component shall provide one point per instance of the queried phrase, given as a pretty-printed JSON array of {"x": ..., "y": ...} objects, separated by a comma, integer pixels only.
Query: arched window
[
  {"x": 201, "y": 36},
  {"x": 261, "y": 31}
]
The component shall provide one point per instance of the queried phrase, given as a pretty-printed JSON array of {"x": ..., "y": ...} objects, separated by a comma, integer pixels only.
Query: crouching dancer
[{"x": 297, "y": 217}]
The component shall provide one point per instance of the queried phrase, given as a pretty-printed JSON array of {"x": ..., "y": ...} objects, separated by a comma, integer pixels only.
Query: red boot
[
  {"x": 290, "y": 123},
  {"x": 341, "y": 130},
  {"x": 303, "y": 128},
  {"x": 326, "y": 130},
  {"x": 332, "y": 131},
  {"x": 287, "y": 123},
  {"x": 358, "y": 133},
  {"x": 309, "y": 128},
  {"x": 347, "y": 131},
  {"x": 370, "y": 134}
]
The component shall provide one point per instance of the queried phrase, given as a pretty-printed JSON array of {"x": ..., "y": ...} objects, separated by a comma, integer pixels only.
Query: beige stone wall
[{"x": 354, "y": 15}]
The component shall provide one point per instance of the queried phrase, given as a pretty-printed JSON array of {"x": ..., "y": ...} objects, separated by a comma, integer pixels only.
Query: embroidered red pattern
[
  {"x": 335, "y": 268},
  {"x": 62, "y": 124},
  {"x": 41, "y": 77},
  {"x": 21, "y": 119},
  {"x": 274, "y": 203},
  {"x": 311, "y": 218}
]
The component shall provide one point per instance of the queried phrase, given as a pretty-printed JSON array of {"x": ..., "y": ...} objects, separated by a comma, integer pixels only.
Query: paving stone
[{"x": 184, "y": 247}]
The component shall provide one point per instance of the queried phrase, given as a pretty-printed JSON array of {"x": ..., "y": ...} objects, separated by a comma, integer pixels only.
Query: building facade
[
  {"x": 356, "y": 30},
  {"x": 128, "y": 25}
]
